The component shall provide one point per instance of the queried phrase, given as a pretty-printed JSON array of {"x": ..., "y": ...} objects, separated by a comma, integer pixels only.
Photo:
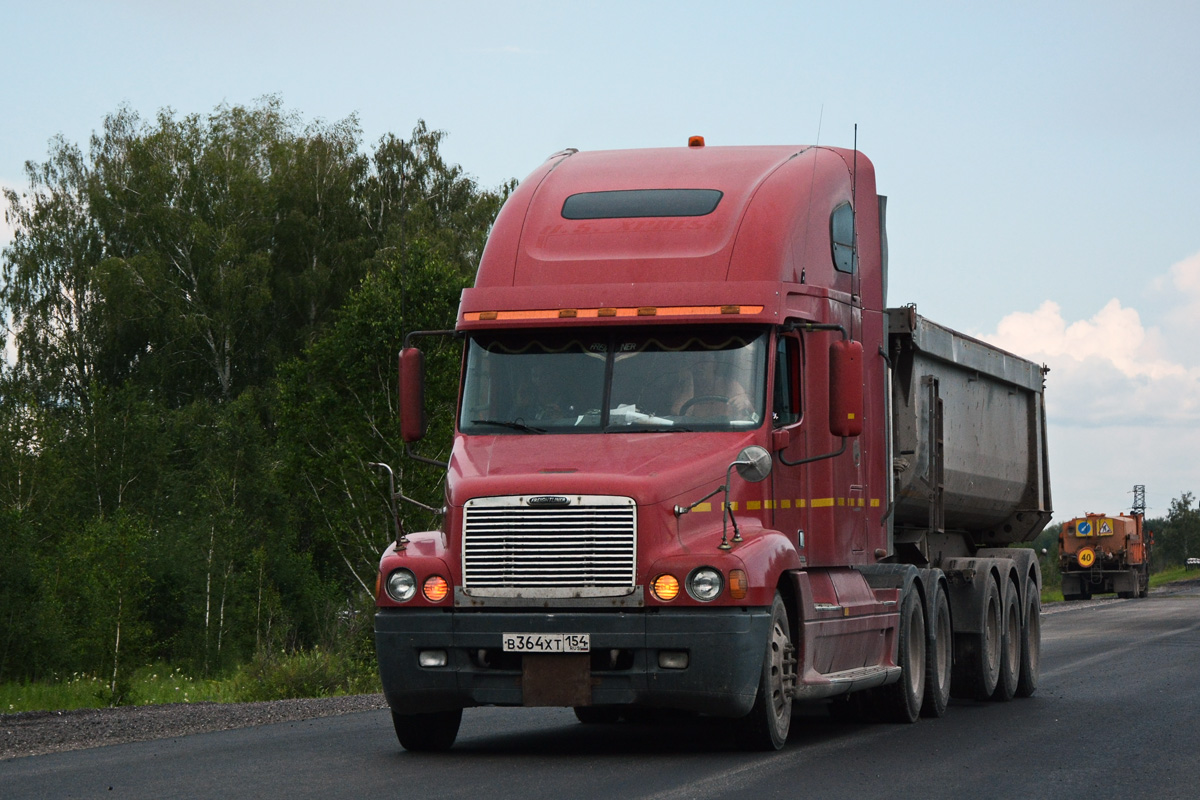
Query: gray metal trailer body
[{"x": 969, "y": 439}]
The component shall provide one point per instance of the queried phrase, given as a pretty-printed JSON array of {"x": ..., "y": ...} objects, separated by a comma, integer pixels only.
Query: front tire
[
  {"x": 598, "y": 715},
  {"x": 766, "y": 726},
  {"x": 429, "y": 733}
]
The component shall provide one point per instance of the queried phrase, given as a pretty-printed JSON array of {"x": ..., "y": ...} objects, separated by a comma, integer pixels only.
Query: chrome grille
[{"x": 586, "y": 548}]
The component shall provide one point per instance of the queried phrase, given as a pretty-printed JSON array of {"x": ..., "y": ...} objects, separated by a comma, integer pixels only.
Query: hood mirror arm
[{"x": 753, "y": 464}]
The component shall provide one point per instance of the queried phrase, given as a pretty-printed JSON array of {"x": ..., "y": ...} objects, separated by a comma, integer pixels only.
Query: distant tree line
[{"x": 206, "y": 312}]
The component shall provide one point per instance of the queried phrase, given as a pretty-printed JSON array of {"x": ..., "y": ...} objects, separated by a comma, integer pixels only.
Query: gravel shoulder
[{"x": 33, "y": 733}]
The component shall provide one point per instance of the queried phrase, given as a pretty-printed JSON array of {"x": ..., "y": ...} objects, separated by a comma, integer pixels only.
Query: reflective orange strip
[{"x": 819, "y": 502}]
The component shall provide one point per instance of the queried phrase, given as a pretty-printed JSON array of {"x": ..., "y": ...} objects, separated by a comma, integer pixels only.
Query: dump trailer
[
  {"x": 699, "y": 466},
  {"x": 1099, "y": 554}
]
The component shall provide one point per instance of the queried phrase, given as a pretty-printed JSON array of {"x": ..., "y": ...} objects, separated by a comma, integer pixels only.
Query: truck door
[{"x": 790, "y": 484}]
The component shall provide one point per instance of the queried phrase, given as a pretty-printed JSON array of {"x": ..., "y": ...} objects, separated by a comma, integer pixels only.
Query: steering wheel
[{"x": 703, "y": 398}]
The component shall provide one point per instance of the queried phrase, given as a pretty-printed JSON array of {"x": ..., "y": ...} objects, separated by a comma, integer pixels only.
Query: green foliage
[
  {"x": 310, "y": 673},
  {"x": 1177, "y": 537},
  {"x": 207, "y": 311}
]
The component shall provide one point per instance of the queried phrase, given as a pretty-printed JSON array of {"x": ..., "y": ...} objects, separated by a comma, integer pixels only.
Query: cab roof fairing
[{"x": 536, "y": 259}]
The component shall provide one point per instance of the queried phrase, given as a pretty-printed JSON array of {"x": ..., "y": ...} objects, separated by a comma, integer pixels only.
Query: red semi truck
[{"x": 698, "y": 464}]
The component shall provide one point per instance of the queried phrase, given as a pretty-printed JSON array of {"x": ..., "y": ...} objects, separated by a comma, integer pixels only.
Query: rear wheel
[
  {"x": 430, "y": 732},
  {"x": 766, "y": 726},
  {"x": 1010, "y": 646},
  {"x": 902, "y": 700},
  {"x": 977, "y": 654},
  {"x": 1031, "y": 640},
  {"x": 939, "y": 656}
]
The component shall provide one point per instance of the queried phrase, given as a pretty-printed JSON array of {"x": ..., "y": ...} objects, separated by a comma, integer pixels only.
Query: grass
[
  {"x": 1051, "y": 594},
  {"x": 310, "y": 673}
]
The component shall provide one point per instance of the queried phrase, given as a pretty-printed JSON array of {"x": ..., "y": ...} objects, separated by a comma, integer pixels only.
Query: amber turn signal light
[
  {"x": 435, "y": 588},
  {"x": 665, "y": 587}
]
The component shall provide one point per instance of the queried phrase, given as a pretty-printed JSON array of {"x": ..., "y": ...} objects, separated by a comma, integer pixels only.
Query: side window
[
  {"x": 841, "y": 234},
  {"x": 786, "y": 404}
]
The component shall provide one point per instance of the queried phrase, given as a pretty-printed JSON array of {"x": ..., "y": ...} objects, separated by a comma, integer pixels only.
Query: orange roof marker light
[
  {"x": 695, "y": 141},
  {"x": 639, "y": 311}
]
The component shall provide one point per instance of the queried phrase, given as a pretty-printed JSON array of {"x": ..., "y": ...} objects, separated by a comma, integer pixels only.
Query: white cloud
[
  {"x": 1180, "y": 289},
  {"x": 1122, "y": 396},
  {"x": 1105, "y": 370}
]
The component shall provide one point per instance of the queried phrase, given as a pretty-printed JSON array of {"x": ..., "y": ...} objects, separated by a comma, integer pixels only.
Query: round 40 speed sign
[{"x": 1086, "y": 557}]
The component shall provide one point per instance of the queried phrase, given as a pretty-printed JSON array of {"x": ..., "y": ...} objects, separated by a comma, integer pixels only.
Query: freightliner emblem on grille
[{"x": 549, "y": 500}]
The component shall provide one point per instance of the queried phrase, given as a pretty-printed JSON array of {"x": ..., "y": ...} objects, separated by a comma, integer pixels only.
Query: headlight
[
  {"x": 704, "y": 584},
  {"x": 401, "y": 585}
]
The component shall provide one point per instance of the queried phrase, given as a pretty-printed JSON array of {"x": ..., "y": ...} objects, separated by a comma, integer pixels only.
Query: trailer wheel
[
  {"x": 1031, "y": 640},
  {"x": 1010, "y": 646},
  {"x": 1144, "y": 582},
  {"x": 902, "y": 700},
  {"x": 977, "y": 655},
  {"x": 432, "y": 732},
  {"x": 939, "y": 656},
  {"x": 766, "y": 726}
]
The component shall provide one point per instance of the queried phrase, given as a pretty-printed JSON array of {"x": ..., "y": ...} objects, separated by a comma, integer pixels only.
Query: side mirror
[
  {"x": 753, "y": 463},
  {"x": 412, "y": 395},
  {"x": 845, "y": 388}
]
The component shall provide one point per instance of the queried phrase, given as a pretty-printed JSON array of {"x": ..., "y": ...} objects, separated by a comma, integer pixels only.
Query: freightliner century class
[{"x": 698, "y": 465}]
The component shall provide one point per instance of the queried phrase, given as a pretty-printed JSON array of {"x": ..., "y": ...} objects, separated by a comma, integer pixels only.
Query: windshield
[{"x": 588, "y": 381}]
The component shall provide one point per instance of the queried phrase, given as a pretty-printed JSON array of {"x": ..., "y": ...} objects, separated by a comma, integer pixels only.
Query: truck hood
[{"x": 649, "y": 467}]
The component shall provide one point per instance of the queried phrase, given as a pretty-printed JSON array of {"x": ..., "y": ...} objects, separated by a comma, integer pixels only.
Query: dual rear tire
[{"x": 1002, "y": 660}]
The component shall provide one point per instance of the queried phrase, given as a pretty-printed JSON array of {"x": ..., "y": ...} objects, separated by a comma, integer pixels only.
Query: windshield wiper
[
  {"x": 635, "y": 428},
  {"x": 504, "y": 423}
]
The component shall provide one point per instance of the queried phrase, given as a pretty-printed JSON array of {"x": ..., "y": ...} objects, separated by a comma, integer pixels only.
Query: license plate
[{"x": 546, "y": 642}]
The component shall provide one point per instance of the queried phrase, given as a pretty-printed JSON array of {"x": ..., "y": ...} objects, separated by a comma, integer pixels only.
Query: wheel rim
[
  {"x": 1035, "y": 634},
  {"x": 942, "y": 653},
  {"x": 916, "y": 656},
  {"x": 1012, "y": 651},
  {"x": 991, "y": 636},
  {"x": 783, "y": 674}
]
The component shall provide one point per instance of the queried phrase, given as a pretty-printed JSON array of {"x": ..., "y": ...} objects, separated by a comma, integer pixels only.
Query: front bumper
[{"x": 724, "y": 646}]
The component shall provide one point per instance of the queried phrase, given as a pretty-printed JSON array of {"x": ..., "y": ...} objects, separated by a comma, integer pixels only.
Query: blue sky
[{"x": 1039, "y": 157}]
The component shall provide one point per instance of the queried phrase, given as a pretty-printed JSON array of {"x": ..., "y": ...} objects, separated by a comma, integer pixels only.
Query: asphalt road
[{"x": 1115, "y": 716}]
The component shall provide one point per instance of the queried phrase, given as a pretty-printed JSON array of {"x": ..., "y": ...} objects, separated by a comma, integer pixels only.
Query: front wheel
[
  {"x": 597, "y": 715},
  {"x": 766, "y": 726},
  {"x": 432, "y": 732}
]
